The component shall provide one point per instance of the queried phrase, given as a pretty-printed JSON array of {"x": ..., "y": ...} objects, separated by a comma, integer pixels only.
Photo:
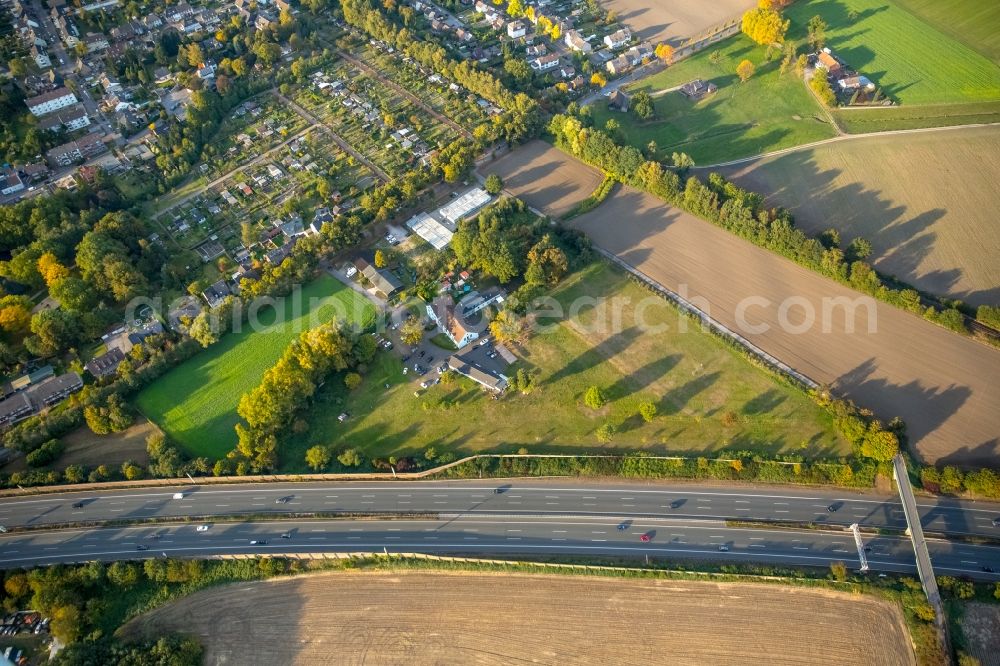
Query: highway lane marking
[{"x": 756, "y": 545}]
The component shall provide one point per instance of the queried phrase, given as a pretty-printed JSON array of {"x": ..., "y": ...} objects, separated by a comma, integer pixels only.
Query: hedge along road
[{"x": 943, "y": 385}]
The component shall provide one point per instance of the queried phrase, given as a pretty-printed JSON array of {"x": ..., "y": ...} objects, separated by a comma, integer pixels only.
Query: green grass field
[
  {"x": 768, "y": 112},
  {"x": 708, "y": 396},
  {"x": 195, "y": 403},
  {"x": 975, "y": 23},
  {"x": 911, "y": 61}
]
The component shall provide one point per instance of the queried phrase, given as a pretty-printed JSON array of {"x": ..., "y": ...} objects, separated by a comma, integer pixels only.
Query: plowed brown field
[
  {"x": 943, "y": 385},
  {"x": 675, "y": 22},
  {"x": 438, "y": 618},
  {"x": 930, "y": 215},
  {"x": 549, "y": 179}
]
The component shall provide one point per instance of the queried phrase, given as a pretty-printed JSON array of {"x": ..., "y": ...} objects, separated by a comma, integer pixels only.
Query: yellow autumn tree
[
  {"x": 597, "y": 79},
  {"x": 764, "y": 26},
  {"x": 745, "y": 70},
  {"x": 665, "y": 52},
  {"x": 50, "y": 269}
]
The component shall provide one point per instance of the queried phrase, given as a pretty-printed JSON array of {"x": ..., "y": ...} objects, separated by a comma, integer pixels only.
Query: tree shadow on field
[
  {"x": 923, "y": 408},
  {"x": 596, "y": 355},
  {"x": 902, "y": 239},
  {"x": 763, "y": 403},
  {"x": 641, "y": 378},
  {"x": 675, "y": 400}
]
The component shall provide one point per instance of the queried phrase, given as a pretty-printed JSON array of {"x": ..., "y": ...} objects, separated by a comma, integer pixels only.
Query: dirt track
[
  {"x": 944, "y": 386},
  {"x": 439, "y": 618},
  {"x": 674, "y": 22},
  {"x": 930, "y": 217},
  {"x": 548, "y": 179}
]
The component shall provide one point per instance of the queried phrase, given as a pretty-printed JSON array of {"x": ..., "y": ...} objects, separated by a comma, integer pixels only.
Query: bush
[
  {"x": 318, "y": 457},
  {"x": 606, "y": 432},
  {"x": 594, "y": 398},
  {"x": 493, "y": 184},
  {"x": 45, "y": 454},
  {"x": 352, "y": 380},
  {"x": 647, "y": 411},
  {"x": 350, "y": 458}
]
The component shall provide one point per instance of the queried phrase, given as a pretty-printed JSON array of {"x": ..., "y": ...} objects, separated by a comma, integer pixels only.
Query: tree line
[
  {"x": 286, "y": 389},
  {"x": 741, "y": 212}
]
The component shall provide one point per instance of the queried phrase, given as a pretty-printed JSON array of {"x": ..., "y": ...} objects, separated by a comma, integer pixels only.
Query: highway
[
  {"x": 498, "y": 535},
  {"x": 502, "y": 517},
  {"x": 551, "y": 497}
]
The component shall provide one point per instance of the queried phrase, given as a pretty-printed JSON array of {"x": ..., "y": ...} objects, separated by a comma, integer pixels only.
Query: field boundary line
[
  {"x": 843, "y": 137},
  {"x": 768, "y": 359}
]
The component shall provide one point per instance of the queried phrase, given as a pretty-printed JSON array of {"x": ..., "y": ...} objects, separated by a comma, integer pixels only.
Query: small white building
[
  {"x": 516, "y": 29},
  {"x": 618, "y": 39}
]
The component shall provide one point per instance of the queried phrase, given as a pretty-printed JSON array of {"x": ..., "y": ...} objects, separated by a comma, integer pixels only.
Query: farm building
[
  {"x": 466, "y": 204},
  {"x": 619, "y": 101},
  {"x": 697, "y": 89},
  {"x": 432, "y": 231},
  {"x": 442, "y": 311}
]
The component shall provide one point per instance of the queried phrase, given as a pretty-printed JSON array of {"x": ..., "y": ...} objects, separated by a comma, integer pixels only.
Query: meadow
[
  {"x": 768, "y": 112},
  {"x": 708, "y": 397},
  {"x": 973, "y": 22},
  {"x": 195, "y": 403},
  {"x": 909, "y": 59}
]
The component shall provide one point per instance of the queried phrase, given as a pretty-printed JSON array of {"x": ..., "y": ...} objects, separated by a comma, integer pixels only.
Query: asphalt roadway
[{"x": 528, "y": 517}]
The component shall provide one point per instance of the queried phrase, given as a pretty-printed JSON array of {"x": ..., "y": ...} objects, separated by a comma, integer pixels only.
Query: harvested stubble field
[
  {"x": 943, "y": 385},
  {"x": 674, "y": 22},
  {"x": 926, "y": 201},
  {"x": 447, "y": 618},
  {"x": 981, "y": 629},
  {"x": 549, "y": 179}
]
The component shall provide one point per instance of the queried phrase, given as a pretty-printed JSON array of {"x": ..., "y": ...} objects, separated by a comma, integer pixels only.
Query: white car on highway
[{"x": 202, "y": 528}]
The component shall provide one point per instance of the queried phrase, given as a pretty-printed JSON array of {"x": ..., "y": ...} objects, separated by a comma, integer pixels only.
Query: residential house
[
  {"x": 95, "y": 42},
  {"x": 84, "y": 148},
  {"x": 51, "y": 101},
  {"x": 826, "y": 60},
  {"x": 70, "y": 119},
  {"x": 41, "y": 58},
  {"x": 105, "y": 364},
  {"x": 619, "y": 101},
  {"x": 697, "y": 89},
  {"x": 619, "y": 65},
  {"x": 575, "y": 41},
  {"x": 618, "y": 39},
  {"x": 545, "y": 62},
  {"x": 383, "y": 281},
  {"x": 465, "y": 366},
  {"x": 10, "y": 182},
  {"x": 216, "y": 294},
  {"x": 442, "y": 311},
  {"x": 536, "y": 50},
  {"x": 54, "y": 390},
  {"x": 516, "y": 29}
]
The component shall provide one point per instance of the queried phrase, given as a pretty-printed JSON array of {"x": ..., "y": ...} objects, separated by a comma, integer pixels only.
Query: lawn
[
  {"x": 708, "y": 396},
  {"x": 912, "y": 62},
  {"x": 195, "y": 403},
  {"x": 768, "y": 112},
  {"x": 976, "y": 23}
]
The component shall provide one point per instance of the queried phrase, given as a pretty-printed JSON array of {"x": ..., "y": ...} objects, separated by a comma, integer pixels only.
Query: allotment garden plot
[
  {"x": 382, "y": 124},
  {"x": 268, "y": 194}
]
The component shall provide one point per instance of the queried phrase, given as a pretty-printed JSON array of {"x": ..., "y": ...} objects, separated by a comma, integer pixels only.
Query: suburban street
[{"x": 525, "y": 516}]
